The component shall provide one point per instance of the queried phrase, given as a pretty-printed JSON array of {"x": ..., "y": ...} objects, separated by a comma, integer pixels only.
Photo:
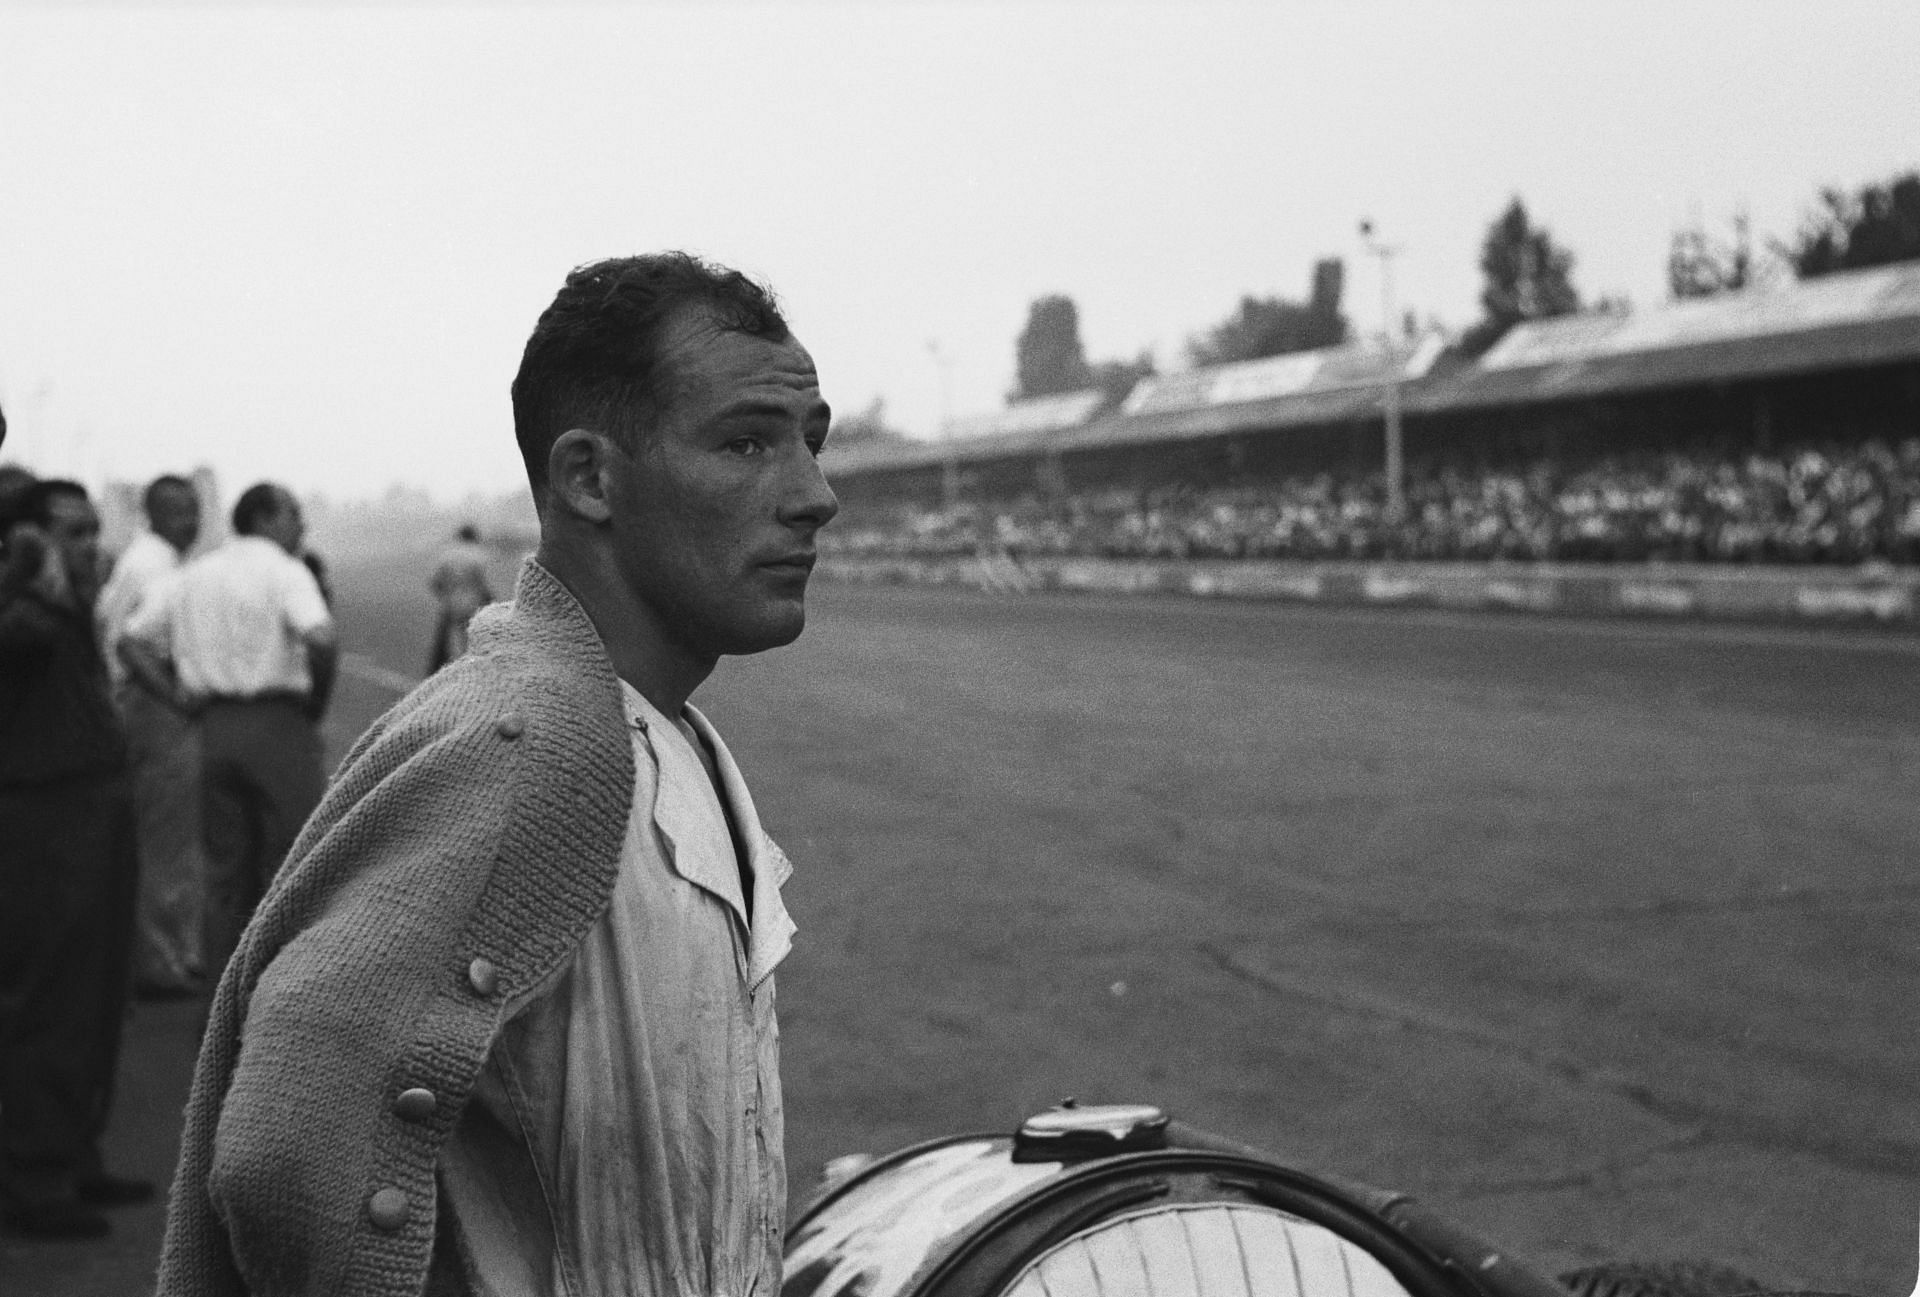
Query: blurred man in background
[
  {"x": 318, "y": 566},
  {"x": 15, "y": 482},
  {"x": 68, "y": 874},
  {"x": 460, "y": 585},
  {"x": 242, "y": 640},
  {"x": 164, "y": 750}
]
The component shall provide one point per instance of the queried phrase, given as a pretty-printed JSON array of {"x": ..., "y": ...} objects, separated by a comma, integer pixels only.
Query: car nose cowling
[{"x": 1102, "y": 1201}]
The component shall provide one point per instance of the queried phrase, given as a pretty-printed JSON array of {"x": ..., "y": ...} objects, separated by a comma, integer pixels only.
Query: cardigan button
[
  {"x": 416, "y": 1104},
  {"x": 483, "y": 977},
  {"x": 387, "y": 1209},
  {"x": 511, "y": 726}
]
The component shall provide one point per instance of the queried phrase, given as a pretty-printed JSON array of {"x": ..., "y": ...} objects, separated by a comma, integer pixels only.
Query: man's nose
[{"x": 809, "y": 499}]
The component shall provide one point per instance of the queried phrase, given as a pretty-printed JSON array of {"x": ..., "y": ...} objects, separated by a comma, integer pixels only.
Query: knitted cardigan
[{"x": 464, "y": 847}]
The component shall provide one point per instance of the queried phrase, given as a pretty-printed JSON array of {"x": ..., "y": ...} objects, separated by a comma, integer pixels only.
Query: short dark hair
[
  {"x": 257, "y": 503},
  {"x": 36, "y": 506},
  {"x": 162, "y": 483},
  {"x": 594, "y": 359}
]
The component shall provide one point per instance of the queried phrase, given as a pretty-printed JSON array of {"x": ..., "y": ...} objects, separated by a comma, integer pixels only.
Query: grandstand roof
[
  {"x": 1328, "y": 369},
  {"x": 1841, "y": 321},
  {"x": 1040, "y": 414},
  {"x": 1328, "y": 385},
  {"x": 1846, "y": 320}
]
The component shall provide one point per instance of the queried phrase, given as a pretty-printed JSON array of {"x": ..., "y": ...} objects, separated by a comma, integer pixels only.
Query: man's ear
[{"x": 578, "y": 468}]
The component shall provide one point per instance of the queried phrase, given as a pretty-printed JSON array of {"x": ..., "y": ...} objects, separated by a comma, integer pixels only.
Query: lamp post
[
  {"x": 950, "y": 462},
  {"x": 1390, "y": 391}
]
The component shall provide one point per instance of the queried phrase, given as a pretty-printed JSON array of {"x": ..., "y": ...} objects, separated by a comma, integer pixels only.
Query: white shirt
[
  {"x": 235, "y": 621},
  {"x": 146, "y": 561},
  {"x": 626, "y": 1137},
  {"x": 460, "y": 579}
]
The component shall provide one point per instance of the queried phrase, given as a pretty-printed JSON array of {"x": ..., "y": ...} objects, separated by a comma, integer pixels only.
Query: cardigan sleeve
[
  {"x": 460, "y": 852},
  {"x": 318, "y": 1174}
]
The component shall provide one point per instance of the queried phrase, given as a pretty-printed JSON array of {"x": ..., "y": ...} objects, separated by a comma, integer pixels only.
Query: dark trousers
[
  {"x": 261, "y": 778},
  {"x": 68, "y": 879}
]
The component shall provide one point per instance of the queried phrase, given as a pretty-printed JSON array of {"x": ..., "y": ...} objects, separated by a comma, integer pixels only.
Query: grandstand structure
[{"x": 1831, "y": 361}]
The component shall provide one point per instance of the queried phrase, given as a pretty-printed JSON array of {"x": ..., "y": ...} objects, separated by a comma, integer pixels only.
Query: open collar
[{"x": 770, "y": 934}]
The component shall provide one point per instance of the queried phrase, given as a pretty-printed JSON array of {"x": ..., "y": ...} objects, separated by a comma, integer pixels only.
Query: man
[
  {"x": 509, "y": 1010},
  {"x": 15, "y": 482},
  {"x": 165, "y": 754},
  {"x": 67, "y": 875},
  {"x": 461, "y": 588},
  {"x": 241, "y": 641}
]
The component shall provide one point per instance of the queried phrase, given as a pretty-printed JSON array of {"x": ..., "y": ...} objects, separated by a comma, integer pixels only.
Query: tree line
[{"x": 1526, "y": 274}]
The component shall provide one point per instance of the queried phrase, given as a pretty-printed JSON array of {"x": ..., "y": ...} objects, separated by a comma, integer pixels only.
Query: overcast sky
[{"x": 308, "y": 241}]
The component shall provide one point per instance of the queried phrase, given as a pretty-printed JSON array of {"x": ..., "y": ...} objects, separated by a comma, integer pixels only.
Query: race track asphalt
[{"x": 1599, "y": 935}]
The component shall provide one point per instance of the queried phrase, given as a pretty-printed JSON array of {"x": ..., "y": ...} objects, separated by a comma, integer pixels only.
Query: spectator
[
  {"x": 15, "y": 482},
  {"x": 1810, "y": 505},
  {"x": 165, "y": 755},
  {"x": 318, "y": 567},
  {"x": 67, "y": 875},
  {"x": 460, "y": 585},
  {"x": 242, "y": 641}
]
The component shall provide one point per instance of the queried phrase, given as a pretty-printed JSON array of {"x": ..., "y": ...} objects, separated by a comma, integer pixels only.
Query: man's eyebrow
[{"x": 749, "y": 406}]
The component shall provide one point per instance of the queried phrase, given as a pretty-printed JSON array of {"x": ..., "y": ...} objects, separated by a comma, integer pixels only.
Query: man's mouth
[{"x": 800, "y": 561}]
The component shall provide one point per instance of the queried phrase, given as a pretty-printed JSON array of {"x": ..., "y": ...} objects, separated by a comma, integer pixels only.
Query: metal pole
[
  {"x": 1390, "y": 393},
  {"x": 1396, "y": 463},
  {"x": 950, "y": 462}
]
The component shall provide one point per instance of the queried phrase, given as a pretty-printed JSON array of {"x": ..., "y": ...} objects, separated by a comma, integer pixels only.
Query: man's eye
[{"x": 746, "y": 446}]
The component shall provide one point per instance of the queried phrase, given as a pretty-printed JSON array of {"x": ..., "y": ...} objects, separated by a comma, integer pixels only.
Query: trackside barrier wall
[{"x": 1881, "y": 596}]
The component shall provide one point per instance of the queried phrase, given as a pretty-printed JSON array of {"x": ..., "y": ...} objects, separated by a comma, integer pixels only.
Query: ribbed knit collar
[{"x": 580, "y": 779}]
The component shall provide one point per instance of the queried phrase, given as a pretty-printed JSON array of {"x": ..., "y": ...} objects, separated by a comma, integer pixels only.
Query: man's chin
[{"x": 774, "y": 628}]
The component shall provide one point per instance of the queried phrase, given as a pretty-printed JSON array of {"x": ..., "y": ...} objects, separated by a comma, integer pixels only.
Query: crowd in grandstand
[{"x": 1811, "y": 504}]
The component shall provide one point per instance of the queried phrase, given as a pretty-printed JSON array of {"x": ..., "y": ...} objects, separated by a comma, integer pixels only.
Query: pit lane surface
[{"x": 1598, "y": 935}]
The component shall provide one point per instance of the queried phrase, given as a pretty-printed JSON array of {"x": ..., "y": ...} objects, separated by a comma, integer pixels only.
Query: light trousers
[{"x": 169, "y": 928}]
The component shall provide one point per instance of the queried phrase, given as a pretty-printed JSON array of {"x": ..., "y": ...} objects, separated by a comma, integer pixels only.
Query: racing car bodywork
[{"x": 1097, "y": 1201}]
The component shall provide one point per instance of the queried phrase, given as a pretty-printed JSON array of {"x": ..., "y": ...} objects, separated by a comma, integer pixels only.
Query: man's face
[
  {"x": 175, "y": 517},
  {"x": 284, "y": 526},
  {"x": 714, "y": 513},
  {"x": 73, "y": 529}
]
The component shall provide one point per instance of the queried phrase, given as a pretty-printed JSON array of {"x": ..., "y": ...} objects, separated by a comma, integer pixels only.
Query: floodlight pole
[
  {"x": 1390, "y": 387},
  {"x": 950, "y": 462}
]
